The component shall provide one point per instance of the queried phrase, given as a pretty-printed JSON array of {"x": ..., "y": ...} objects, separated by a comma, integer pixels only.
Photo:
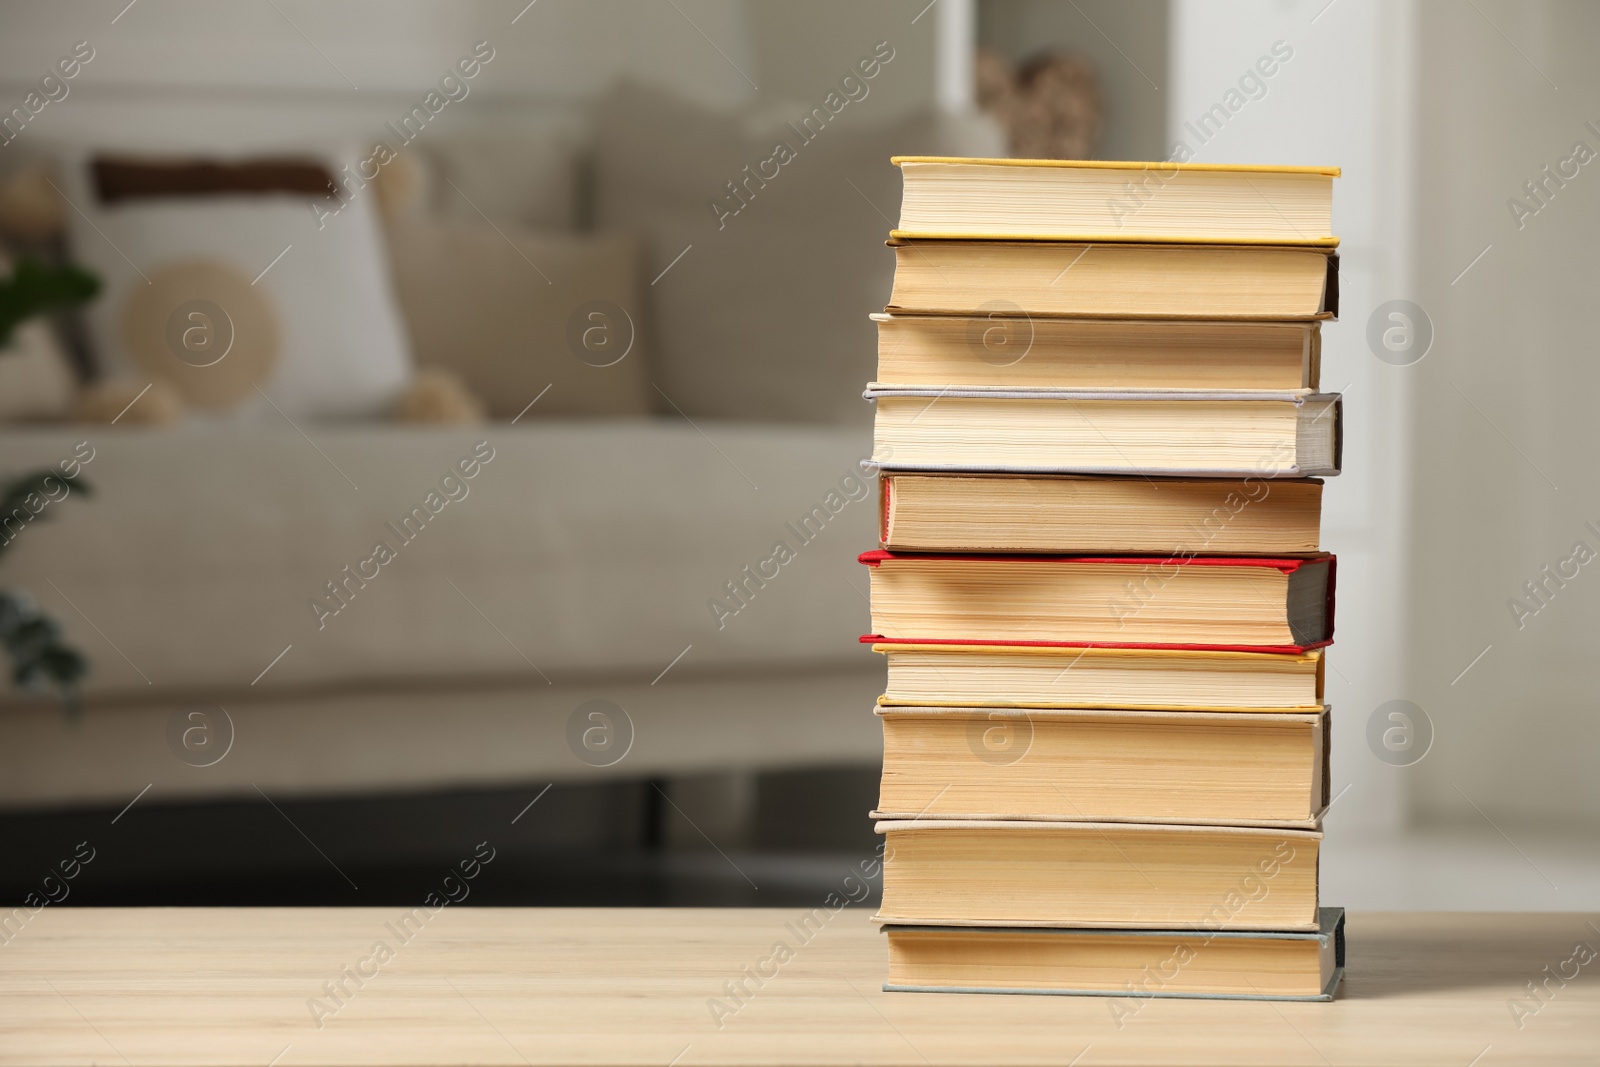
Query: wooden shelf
[{"x": 182, "y": 986}]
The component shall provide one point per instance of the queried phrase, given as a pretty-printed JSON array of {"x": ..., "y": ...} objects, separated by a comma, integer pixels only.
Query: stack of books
[{"x": 1099, "y": 587}]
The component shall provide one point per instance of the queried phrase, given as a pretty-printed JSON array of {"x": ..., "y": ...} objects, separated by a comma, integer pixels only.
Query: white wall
[
  {"x": 556, "y": 48},
  {"x": 1342, "y": 98},
  {"x": 175, "y": 73},
  {"x": 184, "y": 73},
  {"x": 1505, "y": 487},
  {"x": 801, "y": 50}
]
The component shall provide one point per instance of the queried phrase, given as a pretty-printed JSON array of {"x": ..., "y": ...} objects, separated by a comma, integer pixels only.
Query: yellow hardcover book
[
  {"x": 1100, "y": 765},
  {"x": 1102, "y": 201},
  {"x": 981, "y": 512},
  {"x": 1114, "y": 280},
  {"x": 1191, "y": 602},
  {"x": 1001, "y": 350},
  {"x": 1098, "y": 874},
  {"x": 1139, "y": 433},
  {"x": 1038, "y": 676},
  {"x": 1132, "y": 964}
]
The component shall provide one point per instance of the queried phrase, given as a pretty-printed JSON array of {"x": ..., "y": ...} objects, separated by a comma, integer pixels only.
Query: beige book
[
  {"x": 1037, "y": 676},
  {"x": 1115, "y": 280},
  {"x": 1215, "y": 601},
  {"x": 1099, "y": 200},
  {"x": 1100, "y": 765},
  {"x": 1084, "y": 874},
  {"x": 1231, "y": 434},
  {"x": 1001, "y": 349},
  {"x": 1132, "y": 964},
  {"x": 936, "y": 512}
]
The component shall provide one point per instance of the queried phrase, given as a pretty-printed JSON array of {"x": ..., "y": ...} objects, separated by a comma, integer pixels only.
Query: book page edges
[
  {"x": 887, "y": 701},
  {"x": 1312, "y": 655},
  {"x": 1313, "y": 822},
  {"x": 1311, "y": 716},
  {"x": 906, "y": 825},
  {"x": 1113, "y": 164},
  {"x": 1112, "y": 238}
]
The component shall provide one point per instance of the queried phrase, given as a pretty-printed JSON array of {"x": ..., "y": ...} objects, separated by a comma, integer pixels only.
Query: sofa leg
[{"x": 653, "y": 819}]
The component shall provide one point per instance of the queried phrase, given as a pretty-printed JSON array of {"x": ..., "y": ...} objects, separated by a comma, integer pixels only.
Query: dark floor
[{"x": 719, "y": 841}]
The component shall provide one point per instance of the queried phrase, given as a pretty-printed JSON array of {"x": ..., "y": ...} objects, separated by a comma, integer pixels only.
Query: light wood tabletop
[{"x": 633, "y": 986}]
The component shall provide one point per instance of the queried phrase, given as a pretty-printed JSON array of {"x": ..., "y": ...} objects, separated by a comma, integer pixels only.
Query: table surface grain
[{"x": 259, "y": 987}]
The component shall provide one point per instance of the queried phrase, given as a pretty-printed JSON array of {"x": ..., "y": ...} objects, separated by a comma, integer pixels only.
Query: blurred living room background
[{"x": 579, "y": 338}]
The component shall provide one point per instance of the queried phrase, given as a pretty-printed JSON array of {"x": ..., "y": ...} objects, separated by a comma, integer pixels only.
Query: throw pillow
[
  {"x": 521, "y": 175},
  {"x": 223, "y": 277},
  {"x": 511, "y": 311},
  {"x": 766, "y": 262}
]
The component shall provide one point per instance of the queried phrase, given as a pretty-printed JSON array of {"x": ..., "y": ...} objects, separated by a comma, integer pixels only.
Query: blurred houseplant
[
  {"x": 39, "y": 657},
  {"x": 36, "y": 287}
]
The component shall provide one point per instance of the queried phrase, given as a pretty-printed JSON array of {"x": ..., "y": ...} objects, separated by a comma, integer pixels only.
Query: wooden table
[{"x": 510, "y": 986}]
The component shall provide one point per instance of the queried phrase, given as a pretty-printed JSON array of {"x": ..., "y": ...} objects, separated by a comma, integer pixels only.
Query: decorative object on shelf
[{"x": 1049, "y": 105}]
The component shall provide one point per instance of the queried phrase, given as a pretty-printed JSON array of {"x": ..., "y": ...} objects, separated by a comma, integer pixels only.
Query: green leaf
[
  {"x": 32, "y": 639},
  {"x": 36, "y": 287},
  {"x": 14, "y": 494}
]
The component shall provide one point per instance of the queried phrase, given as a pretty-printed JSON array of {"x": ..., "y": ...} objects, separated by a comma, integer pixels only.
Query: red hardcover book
[{"x": 1200, "y": 602}]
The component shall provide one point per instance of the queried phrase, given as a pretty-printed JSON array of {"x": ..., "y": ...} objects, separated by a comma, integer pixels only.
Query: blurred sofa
[{"x": 224, "y": 575}]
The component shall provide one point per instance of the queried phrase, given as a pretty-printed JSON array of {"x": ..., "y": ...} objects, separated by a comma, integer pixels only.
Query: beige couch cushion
[
  {"x": 526, "y": 176},
  {"x": 510, "y": 311},
  {"x": 765, "y": 317},
  {"x": 593, "y": 546}
]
